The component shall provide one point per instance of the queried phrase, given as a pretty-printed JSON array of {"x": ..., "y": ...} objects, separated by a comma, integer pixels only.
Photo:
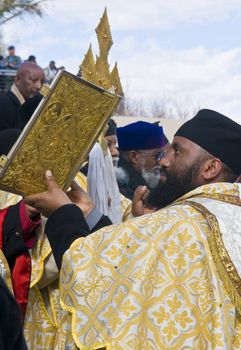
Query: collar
[
  {"x": 17, "y": 93},
  {"x": 224, "y": 191}
]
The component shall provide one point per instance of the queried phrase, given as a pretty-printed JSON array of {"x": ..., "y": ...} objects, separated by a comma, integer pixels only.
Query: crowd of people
[
  {"x": 12, "y": 62},
  {"x": 142, "y": 252}
]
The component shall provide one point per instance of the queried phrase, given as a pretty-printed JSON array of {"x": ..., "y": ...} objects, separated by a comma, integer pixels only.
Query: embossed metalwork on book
[{"x": 59, "y": 135}]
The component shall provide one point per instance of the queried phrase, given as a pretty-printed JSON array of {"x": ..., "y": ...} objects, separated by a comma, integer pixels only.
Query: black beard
[{"x": 173, "y": 188}]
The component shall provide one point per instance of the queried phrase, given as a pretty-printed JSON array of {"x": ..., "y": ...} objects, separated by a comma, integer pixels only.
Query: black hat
[
  {"x": 111, "y": 128},
  {"x": 11, "y": 47},
  {"x": 7, "y": 139},
  {"x": 217, "y": 134}
]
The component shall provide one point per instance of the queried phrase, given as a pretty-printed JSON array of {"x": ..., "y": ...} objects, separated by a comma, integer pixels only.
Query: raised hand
[
  {"x": 78, "y": 196},
  {"x": 138, "y": 201},
  {"x": 50, "y": 200}
]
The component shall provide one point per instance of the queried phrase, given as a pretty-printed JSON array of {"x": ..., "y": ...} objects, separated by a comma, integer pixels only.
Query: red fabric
[
  {"x": 3, "y": 213},
  {"x": 21, "y": 274},
  {"x": 28, "y": 225}
]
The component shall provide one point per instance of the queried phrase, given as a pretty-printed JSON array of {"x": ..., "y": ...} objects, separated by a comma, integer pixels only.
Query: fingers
[
  {"x": 31, "y": 211},
  {"x": 30, "y": 200},
  {"x": 75, "y": 187},
  {"x": 145, "y": 195},
  {"x": 137, "y": 207},
  {"x": 51, "y": 183},
  {"x": 140, "y": 192}
]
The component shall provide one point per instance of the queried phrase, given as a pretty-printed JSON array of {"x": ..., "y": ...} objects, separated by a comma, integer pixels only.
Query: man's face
[
  {"x": 11, "y": 52},
  {"x": 181, "y": 168},
  {"x": 148, "y": 166},
  {"x": 52, "y": 65},
  {"x": 112, "y": 142},
  {"x": 29, "y": 82}
]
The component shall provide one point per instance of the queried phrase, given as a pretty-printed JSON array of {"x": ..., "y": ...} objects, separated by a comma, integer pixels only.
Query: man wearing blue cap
[
  {"x": 140, "y": 145},
  {"x": 167, "y": 280}
]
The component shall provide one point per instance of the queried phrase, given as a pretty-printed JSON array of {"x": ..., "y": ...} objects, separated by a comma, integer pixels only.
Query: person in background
[
  {"x": 50, "y": 72},
  {"x": 140, "y": 146},
  {"x": 111, "y": 138},
  {"x": 12, "y": 61},
  {"x": 2, "y": 62},
  {"x": 27, "y": 84},
  {"x": 32, "y": 59},
  {"x": 101, "y": 180}
]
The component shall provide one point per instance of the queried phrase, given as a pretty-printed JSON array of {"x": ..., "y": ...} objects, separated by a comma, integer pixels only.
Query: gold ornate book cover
[{"x": 59, "y": 135}]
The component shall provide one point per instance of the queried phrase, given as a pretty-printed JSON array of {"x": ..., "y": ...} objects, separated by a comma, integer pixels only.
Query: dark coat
[
  {"x": 9, "y": 111},
  {"x": 134, "y": 179},
  {"x": 13, "y": 115},
  {"x": 11, "y": 330}
]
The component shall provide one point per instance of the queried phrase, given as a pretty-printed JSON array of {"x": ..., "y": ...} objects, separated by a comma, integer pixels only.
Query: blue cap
[{"x": 140, "y": 135}]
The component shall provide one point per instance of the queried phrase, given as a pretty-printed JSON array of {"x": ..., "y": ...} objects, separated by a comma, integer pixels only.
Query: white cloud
[{"x": 142, "y": 14}]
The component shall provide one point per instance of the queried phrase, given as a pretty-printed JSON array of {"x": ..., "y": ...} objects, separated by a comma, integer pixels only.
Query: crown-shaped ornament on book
[{"x": 98, "y": 72}]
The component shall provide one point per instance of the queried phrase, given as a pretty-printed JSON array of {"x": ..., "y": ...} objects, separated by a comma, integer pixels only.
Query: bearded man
[
  {"x": 167, "y": 280},
  {"x": 140, "y": 145}
]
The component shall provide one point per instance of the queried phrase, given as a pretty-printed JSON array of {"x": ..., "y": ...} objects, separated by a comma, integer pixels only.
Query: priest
[{"x": 169, "y": 279}]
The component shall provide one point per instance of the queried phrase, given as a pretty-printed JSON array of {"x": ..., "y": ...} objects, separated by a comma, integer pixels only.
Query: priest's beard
[
  {"x": 115, "y": 160},
  {"x": 121, "y": 176},
  {"x": 175, "y": 186},
  {"x": 152, "y": 177}
]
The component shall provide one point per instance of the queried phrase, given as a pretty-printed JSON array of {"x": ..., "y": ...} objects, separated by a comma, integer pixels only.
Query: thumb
[{"x": 50, "y": 181}]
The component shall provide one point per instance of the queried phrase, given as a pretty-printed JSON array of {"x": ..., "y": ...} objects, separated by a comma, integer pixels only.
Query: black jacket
[
  {"x": 134, "y": 179},
  {"x": 13, "y": 243},
  {"x": 11, "y": 330},
  {"x": 13, "y": 114},
  {"x": 10, "y": 116}
]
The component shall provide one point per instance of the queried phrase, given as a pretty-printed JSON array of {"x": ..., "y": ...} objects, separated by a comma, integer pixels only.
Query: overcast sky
[{"x": 186, "y": 51}]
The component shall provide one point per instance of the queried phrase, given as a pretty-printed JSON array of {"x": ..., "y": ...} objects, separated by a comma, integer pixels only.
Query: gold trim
[
  {"x": 220, "y": 197},
  {"x": 7, "y": 277},
  {"x": 227, "y": 272},
  {"x": 45, "y": 90},
  {"x": 3, "y": 160}
]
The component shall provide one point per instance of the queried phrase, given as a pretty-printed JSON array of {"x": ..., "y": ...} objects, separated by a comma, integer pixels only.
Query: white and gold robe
[{"x": 165, "y": 280}]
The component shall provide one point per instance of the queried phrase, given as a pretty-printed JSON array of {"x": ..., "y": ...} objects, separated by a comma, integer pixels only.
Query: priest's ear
[{"x": 211, "y": 169}]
